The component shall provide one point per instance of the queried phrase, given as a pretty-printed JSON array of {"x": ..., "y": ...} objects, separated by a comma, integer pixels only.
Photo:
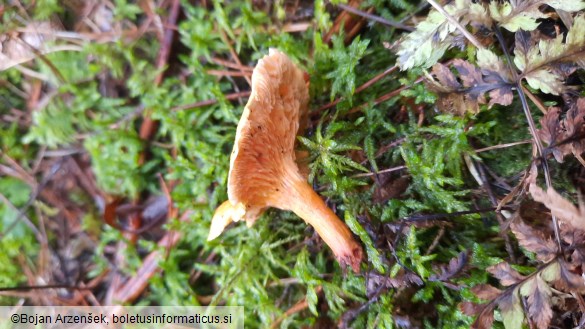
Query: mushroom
[{"x": 263, "y": 169}]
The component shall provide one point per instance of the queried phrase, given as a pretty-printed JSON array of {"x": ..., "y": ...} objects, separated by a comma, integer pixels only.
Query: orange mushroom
[{"x": 263, "y": 172}]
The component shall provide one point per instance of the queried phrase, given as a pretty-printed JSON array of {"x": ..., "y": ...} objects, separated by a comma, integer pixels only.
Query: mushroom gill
[{"x": 263, "y": 171}]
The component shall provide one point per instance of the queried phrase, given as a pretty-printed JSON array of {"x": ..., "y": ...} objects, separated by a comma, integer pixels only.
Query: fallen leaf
[
  {"x": 533, "y": 240},
  {"x": 511, "y": 310},
  {"x": 559, "y": 206},
  {"x": 543, "y": 64},
  {"x": 455, "y": 266},
  {"x": 459, "y": 98},
  {"x": 538, "y": 295},
  {"x": 486, "y": 291},
  {"x": 551, "y": 132},
  {"x": 505, "y": 273}
]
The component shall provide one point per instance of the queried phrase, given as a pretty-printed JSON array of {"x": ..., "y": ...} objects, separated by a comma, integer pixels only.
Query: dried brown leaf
[
  {"x": 539, "y": 301},
  {"x": 568, "y": 280},
  {"x": 511, "y": 309},
  {"x": 505, "y": 273},
  {"x": 466, "y": 96},
  {"x": 565, "y": 135},
  {"x": 402, "y": 279},
  {"x": 485, "y": 313},
  {"x": 485, "y": 319},
  {"x": 574, "y": 125},
  {"x": 559, "y": 206},
  {"x": 551, "y": 132},
  {"x": 470, "y": 308},
  {"x": 533, "y": 240},
  {"x": 456, "y": 264},
  {"x": 486, "y": 291}
]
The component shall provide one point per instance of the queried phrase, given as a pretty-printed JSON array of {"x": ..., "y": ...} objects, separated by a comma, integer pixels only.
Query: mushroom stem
[{"x": 308, "y": 205}]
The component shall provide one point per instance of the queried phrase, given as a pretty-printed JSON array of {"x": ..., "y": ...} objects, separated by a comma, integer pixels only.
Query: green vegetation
[{"x": 415, "y": 162}]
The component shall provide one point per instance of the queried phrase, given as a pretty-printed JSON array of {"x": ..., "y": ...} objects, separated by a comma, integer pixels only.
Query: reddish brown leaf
[
  {"x": 456, "y": 264},
  {"x": 459, "y": 98},
  {"x": 539, "y": 302},
  {"x": 485, "y": 319},
  {"x": 569, "y": 281},
  {"x": 533, "y": 240},
  {"x": 486, "y": 291},
  {"x": 511, "y": 309},
  {"x": 551, "y": 132},
  {"x": 559, "y": 206},
  {"x": 446, "y": 77},
  {"x": 574, "y": 125},
  {"x": 470, "y": 308},
  {"x": 505, "y": 273},
  {"x": 565, "y": 135},
  {"x": 402, "y": 279}
]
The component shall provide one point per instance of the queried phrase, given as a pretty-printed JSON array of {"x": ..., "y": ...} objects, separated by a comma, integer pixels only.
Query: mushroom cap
[{"x": 264, "y": 146}]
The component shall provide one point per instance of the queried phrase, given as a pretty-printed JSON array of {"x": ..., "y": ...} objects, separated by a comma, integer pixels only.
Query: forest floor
[{"x": 447, "y": 135}]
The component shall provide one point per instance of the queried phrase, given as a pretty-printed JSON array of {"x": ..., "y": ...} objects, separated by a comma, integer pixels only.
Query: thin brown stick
[
  {"x": 535, "y": 100},
  {"x": 208, "y": 102},
  {"x": 296, "y": 308},
  {"x": 379, "y": 172},
  {"x": 502, "y": 146},
  {"x": 384, "y": 97},
  {"x": 150, "y": 266},
  {"x": 375, "y": 18},
  {"x": 231, "y": 65},
  {"x": 229, "y": 73},
  {"x": 362, "y": 87},
  {"x": 225, "y": 39},
  {"x": 453, "y": 21}
]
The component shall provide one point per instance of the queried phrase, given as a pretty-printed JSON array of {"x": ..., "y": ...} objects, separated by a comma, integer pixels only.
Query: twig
[
  {"x": 494, "y": 201},
  {"x": 453, "y": 21},
  {"x": 150, "y": 266},
  {"x": 49, "y": 286},
  {"x": 230, "y": 97},
  {"x": 376, "y": 18},
  {"x": 225, "y": 39},
  {"x": 296, "y": 308},
  {"x": 532, "y": 127},
  {"x": 502, "y": 146},
  {"x": 361, "y": 88},
  {"x": 231, "y": 65},
  {"x": 379, "y": 172},
  {"x": 535, "y": 100},
  {"x": 419, "y": 218},
  {"x": 229, "y": 73}
]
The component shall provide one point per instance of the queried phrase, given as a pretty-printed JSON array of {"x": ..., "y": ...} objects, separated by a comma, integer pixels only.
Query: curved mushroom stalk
[
  {"x": 307, "y": 204},
  {"x": 263, "y": 172}
]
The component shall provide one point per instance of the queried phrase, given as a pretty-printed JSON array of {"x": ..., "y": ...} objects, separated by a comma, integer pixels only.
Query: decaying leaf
[
  {"x": 455, "y": 266},
  {"x": 511, "y": 308},
  {"x": 376, "y": 281},
  {"x": 484, "y": 312},
  {"x": 433, "y": 36},
  {"x": 466, "y": 96},
  {"x": 17, "y": 48},
  {"x": 541, "y": 64},
  {"x": 560, "y": 207},
  {"x": 538, "y": 295},
  {"x": 533, "y": 240},
  {"x": 505, "y": 273},
  {"x": 486, "y": 291},
  {"x": 523, "y": 15},
  {"x": 551, "y": 132},
  {"x": 565, "y": 135},
  {"x": 568, "y": 280}
]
